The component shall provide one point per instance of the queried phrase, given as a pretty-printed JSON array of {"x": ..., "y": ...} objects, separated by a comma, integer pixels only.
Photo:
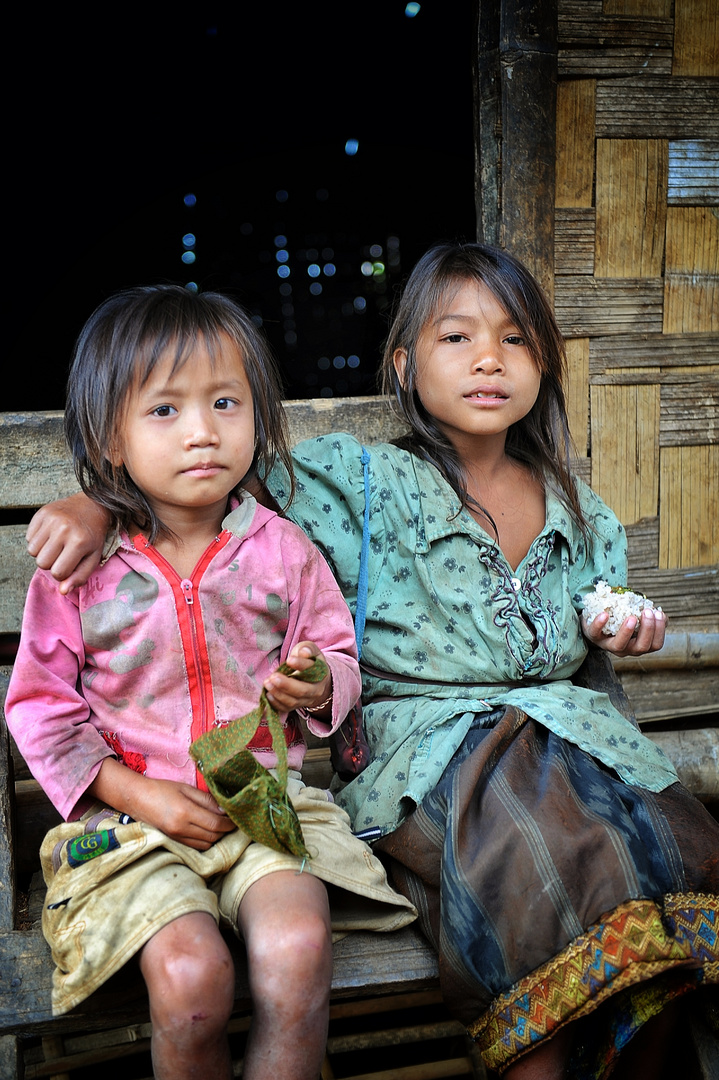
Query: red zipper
[{"x": 192, "y": 632}]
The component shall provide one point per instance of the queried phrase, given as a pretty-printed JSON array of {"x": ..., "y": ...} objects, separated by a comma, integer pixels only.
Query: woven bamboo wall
[{"x": 637, "y": 280}]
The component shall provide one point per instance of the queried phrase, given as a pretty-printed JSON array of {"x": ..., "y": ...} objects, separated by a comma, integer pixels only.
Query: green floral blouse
[{"x": 452, "y": 630}]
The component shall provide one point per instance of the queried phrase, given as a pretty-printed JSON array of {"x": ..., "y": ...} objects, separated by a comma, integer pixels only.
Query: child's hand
[
  {"x": 184, "y": 813},
  {"x": 67, "y": 537},
  {"x": 179, "y": 810},
  {"x": 649, "y": 637},
  {"x": 286, "y": 693}
]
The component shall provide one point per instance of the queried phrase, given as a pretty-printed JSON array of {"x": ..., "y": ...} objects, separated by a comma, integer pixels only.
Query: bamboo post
[{"x": 515, "y": 82}]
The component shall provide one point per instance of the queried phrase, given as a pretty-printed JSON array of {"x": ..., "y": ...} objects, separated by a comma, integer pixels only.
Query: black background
[{"x": 115, "y": 113}]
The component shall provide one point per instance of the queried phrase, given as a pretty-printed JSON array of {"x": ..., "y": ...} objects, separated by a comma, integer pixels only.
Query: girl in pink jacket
[{"x": 173, "y": 402}]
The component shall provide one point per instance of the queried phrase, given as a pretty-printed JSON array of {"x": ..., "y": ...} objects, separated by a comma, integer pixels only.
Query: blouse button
[{"x": 516, "y": 584}]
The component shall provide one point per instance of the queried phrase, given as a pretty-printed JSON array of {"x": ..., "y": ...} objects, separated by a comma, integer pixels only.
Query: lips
[
  {"x": 204, "y": 468},
  {"x": 487, "y": 393}
]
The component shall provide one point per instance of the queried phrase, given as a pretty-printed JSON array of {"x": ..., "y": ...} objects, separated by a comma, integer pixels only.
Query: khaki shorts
[{"x": 112, "y": 886}]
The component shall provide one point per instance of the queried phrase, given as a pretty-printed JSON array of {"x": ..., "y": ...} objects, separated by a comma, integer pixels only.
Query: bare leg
[
  {"x": 284, "y": 919},
  {"x": 645, "y": 1057},
  {"x": 190, "y": 978},
  {"x": 547, "y": 1062}
]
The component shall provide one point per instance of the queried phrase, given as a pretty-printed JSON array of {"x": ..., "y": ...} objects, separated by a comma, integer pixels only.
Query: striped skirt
[{"x": 549, "y": 888}]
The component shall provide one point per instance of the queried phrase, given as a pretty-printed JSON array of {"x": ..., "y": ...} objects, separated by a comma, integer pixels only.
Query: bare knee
[
  {"x": 296, "y": 954},
  {"x": 190, "y": 979},
  {"x": 286, "y": 925}
]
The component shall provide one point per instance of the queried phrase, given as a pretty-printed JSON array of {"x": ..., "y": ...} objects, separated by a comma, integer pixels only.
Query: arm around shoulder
[{"x": 66, "y": 538}]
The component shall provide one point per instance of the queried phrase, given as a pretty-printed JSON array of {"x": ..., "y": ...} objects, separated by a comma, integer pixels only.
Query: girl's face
[
  {"x": 475, "y": 373},
  {"x": 187, "y": 437}
]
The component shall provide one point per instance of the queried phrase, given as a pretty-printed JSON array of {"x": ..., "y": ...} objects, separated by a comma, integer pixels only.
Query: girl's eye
[
  {"x": 224, "y": 403},
  {"x": 515, "y": 339},
  {"x": 454, "y": 338},
  {"x": 163, "y": 410}
]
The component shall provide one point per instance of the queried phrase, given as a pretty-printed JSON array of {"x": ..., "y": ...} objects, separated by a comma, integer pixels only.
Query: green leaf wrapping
[{"x": 252, "y": 797}]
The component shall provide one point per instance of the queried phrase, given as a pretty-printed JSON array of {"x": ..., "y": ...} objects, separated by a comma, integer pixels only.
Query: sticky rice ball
[{"x": 618, "y": 601}]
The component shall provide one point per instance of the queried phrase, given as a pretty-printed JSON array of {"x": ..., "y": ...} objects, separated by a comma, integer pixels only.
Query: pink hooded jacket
[{"x": 138, "y": 663}]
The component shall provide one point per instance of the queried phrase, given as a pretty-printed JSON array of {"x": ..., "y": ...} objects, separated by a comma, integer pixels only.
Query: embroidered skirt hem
[{"x": 548, "y": 886}]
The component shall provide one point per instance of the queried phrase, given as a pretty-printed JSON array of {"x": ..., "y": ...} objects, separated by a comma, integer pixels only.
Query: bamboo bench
[{"x": 377, "y": 968}]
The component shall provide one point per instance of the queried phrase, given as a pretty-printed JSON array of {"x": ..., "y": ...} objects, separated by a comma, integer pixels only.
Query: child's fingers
[
  {"x": 303, "y": 655},
  {"x": 69, "y": 564},
  {"x": 594, "y": 630},
  {"x": 651, "y": 632},
  {"x": 286, "y": 693},
  {"x": 634, "y": 637}
]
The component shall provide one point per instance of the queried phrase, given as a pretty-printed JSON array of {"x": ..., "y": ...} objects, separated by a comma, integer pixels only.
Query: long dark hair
[
  {"x": 118, "y": 348},
  {"x": 540, "y": 439}
]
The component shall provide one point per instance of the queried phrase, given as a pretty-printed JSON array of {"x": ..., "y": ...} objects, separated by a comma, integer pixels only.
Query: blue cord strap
[{"x": 362, "y": 584}]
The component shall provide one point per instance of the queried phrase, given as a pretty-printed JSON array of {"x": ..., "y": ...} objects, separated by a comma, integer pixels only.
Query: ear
[
  {"x": 115, "y": 457},
  {"x": 399, "y": 360}
]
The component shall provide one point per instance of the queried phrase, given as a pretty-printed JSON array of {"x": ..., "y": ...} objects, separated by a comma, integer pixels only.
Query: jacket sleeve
[
  {"x": 318, "y": 612},
  {"x": 45, "y": 709}
]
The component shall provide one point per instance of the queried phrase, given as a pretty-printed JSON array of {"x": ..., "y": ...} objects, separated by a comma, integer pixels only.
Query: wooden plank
[
  {"x": 400, "y": 961},
  {"x": 643, "y": 350},
  {"x": 691, "y": 294},
  {"x": 11, "y": 1067},
  {"x": 601, "y": 29},
  {"x": 657, "y": 9},
  {"x": 35, "y": 467},
  {"x": 16, "y": 569},
  {"x": 625, "y": 457},
  {"x": 35, "y": 816},
  {"x": 689, "y": 651},
  {"x": 691, "y": 302},
  {"x": 25, "y": 970},
  {"x": 693, "y": 173},
  {"x": 8, "y": 897},
  {"x": 589, "y": 61},
  {"x": 515, "y": 80},
  {"x": 34, "y": 461},
  {"x": 487, "y": 86},
  {"x": 631, "y": 194},
  {"x": 587, "y": 306},
  {"x": 658, "y": 108},
  {"x": 684, "y": 593},
  {"x": 574, "y": 240},
  {"x": 575, "y": 143},
  {"x": 367, "y": 418},
  {"x": 695, "y": 756},
  {"x": 690, "y": 411},
  {"x": 680, "y": 680},
  {"x": 674, "y": 378},
  {"x": 643, "y": 544},
  {"x": 578, "y": 392},
  {"x": 582, "y": 467},
  {"x": 692, "y": 241},
  {"x": 696, "y": 38},
  {"x": 689, "y": 507}
]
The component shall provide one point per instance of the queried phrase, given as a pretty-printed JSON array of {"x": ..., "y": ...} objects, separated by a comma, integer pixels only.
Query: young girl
[
  {"x": 172, "y": 402},
  {"x": 567, "y": 881}
]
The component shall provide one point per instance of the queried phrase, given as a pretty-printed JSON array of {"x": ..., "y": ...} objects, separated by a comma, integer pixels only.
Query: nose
[
  {"x": 200, "y": 429},
  {"x": 488, "y": 357}
]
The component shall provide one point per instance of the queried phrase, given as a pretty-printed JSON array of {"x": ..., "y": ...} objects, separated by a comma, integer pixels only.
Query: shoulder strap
[{"x": 361, "y": 609}]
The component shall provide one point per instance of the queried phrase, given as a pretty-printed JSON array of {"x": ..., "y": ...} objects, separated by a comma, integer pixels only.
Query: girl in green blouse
[{"x": 567, "y": 880}]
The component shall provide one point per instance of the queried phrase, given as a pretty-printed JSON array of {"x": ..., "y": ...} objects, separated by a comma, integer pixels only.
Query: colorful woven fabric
[
  {"x": 639, "y": 940},
  {"x": 253, "y": 798},
  {"x": 549, "y": 887}
]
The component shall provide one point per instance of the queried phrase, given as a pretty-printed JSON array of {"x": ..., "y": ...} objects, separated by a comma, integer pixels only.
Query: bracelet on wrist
[{"x": 318, "y": 708}]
